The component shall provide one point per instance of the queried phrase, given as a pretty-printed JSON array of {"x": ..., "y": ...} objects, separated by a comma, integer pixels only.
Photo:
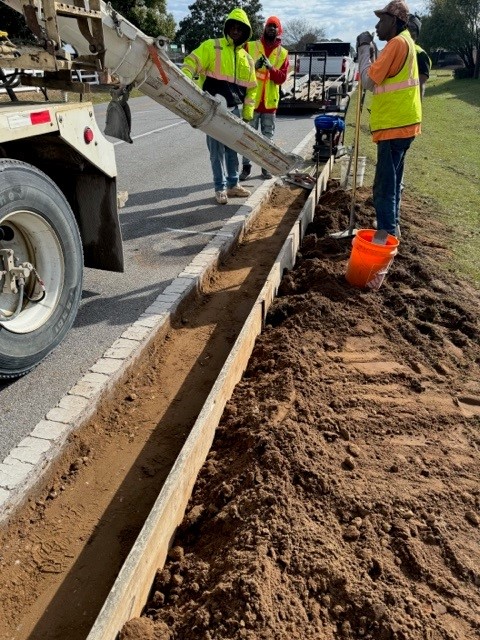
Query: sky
[{"x": 343, "y": 19}]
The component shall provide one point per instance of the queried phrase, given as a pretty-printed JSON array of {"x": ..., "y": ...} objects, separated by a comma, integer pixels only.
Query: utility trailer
[
  {"x": 58, "y": 191},
  {"x": 340, "y": 61},
  {"x": 309, "y": 88}
]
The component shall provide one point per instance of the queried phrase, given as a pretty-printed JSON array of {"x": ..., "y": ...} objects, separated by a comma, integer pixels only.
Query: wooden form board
[{"x": 132, "y": 586}]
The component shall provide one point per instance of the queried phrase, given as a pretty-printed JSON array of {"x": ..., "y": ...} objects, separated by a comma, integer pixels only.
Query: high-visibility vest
[
  {"x": 219, "y": 59},
  {"x": 396, "y": 101},
  {"x": 266, "y": 87},
  {"x": 419, "y": 49}
]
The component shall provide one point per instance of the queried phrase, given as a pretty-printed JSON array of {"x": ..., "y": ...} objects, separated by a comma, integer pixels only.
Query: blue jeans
[
  {"x": 266, "y": 122},
  {"x": 387, "y": 184},
  {"x": 224, "y": 162}
]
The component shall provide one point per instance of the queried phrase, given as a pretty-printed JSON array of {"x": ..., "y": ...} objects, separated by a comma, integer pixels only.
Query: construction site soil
[{"x": 341, "y": 496}]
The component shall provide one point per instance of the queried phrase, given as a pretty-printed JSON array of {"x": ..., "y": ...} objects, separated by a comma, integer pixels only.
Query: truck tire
[{"x": 37, "y": 223}]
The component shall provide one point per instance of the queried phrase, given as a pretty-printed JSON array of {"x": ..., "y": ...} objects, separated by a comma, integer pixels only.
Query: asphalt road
[{"x": 167, "y": 220}]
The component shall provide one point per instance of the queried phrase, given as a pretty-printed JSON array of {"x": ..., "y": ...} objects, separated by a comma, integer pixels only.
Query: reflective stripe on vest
[
  {"x": 217, "y": 73},
  {"x": 411, "y": 81}
]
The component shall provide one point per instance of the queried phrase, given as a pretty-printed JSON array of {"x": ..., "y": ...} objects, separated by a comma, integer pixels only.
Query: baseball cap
[{"x": 396, "y": 8}]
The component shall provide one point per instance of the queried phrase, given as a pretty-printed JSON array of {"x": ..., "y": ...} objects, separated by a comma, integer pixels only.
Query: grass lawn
[{"x": 443, "y": 164}]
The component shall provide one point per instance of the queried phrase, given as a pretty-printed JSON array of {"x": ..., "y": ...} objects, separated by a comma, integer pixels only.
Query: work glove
[
  {"x": 364, "y": 38},
  {"x": 262, "y": 62}
]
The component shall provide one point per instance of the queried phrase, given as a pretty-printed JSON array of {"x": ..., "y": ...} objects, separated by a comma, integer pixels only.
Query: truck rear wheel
[{"x": 38, "y": 226}]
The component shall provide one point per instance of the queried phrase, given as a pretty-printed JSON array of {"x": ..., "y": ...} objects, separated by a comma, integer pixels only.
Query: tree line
[{"x": 452, "y": 25}]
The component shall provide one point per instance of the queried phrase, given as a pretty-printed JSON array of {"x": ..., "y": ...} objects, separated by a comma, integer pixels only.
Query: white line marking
[
  {"x": 148, "y": 133},
  {"x": 200, "y": 233}
]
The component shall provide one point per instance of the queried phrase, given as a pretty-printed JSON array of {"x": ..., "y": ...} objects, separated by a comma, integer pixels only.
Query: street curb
[{"x": 26, "y": 464}]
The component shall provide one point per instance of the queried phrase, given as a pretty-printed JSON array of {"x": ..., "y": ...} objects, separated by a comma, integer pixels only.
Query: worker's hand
[
  {"x": 263, "y": 62},
  {"x": 364, "y": 38},
  {"x": 260, "y": 62}
]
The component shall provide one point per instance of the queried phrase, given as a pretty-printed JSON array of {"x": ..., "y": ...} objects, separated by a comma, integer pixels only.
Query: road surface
[{"x": 169, "y": 217}]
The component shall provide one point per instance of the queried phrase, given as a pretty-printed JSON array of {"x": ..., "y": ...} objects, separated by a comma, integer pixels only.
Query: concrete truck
[{"x": 58, "y": 191}]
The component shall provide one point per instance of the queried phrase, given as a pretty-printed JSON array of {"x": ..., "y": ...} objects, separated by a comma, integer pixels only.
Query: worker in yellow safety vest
[
  {"x": 414, "y": 25},
  {"x": 223, "y": 68},
  {"x": 271, "y": 64},
  {"x": 396, "y": 108}
]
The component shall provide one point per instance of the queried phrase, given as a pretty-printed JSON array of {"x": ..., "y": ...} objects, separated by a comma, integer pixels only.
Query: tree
[
  {"x": 150, "y": 16},
  {"x": 299, "y": 32},
  {"x": 207, "y": 18},
  {"x": 454, "y": 25}
]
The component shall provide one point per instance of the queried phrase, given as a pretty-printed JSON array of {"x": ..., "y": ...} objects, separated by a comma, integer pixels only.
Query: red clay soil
[{"x": 341, "y": 498}]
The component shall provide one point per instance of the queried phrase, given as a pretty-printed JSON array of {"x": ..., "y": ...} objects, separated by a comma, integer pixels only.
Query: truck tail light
[
  {"x": 88, "y": 135},
  {"x": 344, "y": 65}
]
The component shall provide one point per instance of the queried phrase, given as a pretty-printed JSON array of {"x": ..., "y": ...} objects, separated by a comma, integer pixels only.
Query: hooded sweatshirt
[{"x": 224, "y": 68}]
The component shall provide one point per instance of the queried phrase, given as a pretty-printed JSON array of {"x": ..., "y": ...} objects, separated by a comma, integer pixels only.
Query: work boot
[
  {"x": 266, "y": 175},
  {"x": 245, "y": 172},
  {"x": 238, "y": 192},
  {"x": 221, "y": 197}
]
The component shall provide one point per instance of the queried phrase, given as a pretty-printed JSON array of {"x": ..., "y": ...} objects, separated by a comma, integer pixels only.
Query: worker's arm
[
  {"x": 387, "y": 65},
  {"x": 364, "y": 62},
  {"x": 423, "y": 62},
  {"x": 195, "y": 63},
  {"x": 278, "y": 76}
]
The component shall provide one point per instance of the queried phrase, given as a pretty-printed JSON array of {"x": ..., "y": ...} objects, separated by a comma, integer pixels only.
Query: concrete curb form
[
  {"x": 25, "y": 465},
  {"x": 130, "y": 590}
]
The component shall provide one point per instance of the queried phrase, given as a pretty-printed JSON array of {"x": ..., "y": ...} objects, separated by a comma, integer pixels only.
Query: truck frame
[{"x": 58, "y": 191}]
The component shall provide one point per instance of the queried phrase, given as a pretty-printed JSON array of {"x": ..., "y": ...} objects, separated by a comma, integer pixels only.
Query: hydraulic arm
[{"x": 124, "y": 52}]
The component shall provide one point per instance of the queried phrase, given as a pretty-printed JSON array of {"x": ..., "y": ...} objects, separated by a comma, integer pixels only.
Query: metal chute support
[{"x": 142, "y": 62}]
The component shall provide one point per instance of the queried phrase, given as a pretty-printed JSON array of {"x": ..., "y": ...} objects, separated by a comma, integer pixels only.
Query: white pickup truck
[{"x": 327, "y": 60}]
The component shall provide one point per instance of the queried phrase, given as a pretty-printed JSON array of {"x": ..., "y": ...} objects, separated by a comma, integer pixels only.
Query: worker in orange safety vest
[{"x": 396, "y": 108}]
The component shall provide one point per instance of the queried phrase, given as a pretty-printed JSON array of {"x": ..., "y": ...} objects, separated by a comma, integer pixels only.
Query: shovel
[
  {"x": 351, "y": 231},
  {"x": 380, "y": 237}
]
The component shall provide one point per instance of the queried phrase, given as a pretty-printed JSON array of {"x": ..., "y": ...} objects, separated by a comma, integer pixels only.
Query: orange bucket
[{"x": 369, "y": 262}]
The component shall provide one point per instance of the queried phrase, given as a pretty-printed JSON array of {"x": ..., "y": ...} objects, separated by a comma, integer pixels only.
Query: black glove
[
  {"x": 364, "y": 38},
  {"x": 260, "y": 62}
]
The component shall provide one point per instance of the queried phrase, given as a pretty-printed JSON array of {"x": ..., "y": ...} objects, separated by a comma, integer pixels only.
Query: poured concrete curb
[
  {"x": 27, "y": 463},
  {"x": 129, "y": 593}
]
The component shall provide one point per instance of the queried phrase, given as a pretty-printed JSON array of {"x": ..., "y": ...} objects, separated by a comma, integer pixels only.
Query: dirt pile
[{"x": 341, "y": 496}]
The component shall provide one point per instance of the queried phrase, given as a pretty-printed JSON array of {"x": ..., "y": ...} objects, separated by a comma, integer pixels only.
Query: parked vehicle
[{"x": 335, "y": 60}]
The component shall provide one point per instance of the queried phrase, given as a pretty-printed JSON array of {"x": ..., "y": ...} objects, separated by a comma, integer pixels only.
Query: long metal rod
[
  {"x": 356, "y": 145},
  {"x": 351, "y": 225}
]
